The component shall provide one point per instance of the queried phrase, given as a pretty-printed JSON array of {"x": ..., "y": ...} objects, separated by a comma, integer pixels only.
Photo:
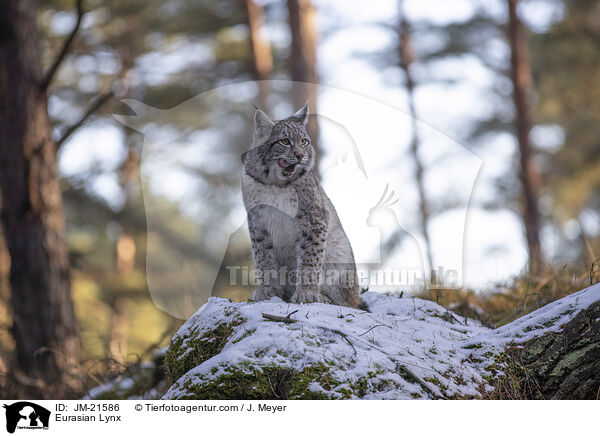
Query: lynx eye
[
  {"x": 305, "y": 142},
  {"x": 285, "y": 141}
]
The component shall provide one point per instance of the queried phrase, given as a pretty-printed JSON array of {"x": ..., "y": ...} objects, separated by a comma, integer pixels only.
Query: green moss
[
  {"x": 459, "y": 380},
  {"x": 373, "y": 382},
  {"x": 508, "y": 375},
  {"x": 185, "y": 353},
  {"x": 496, "y": 367},
  {"x": 572, "y": 360},
  {"x": 436, "y": 381},
  {"x": 545, "y": 367},
  {"x": 249, "y": 382},
  {"x": 553, "y": 321},
  {"x": 472, "y": 359},
  {"x": 537, "y": 347},
  {"x": 537, "y": 327},
  {"x": 245, "y": 335}
]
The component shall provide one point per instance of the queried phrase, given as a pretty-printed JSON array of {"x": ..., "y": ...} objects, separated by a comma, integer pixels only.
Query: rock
[
  {"x": 403, "y": 348},
  {"x": 558, "y": 365}
]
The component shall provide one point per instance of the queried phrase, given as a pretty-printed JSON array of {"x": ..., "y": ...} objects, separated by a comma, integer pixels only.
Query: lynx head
[{"x": 284, "y": 149}]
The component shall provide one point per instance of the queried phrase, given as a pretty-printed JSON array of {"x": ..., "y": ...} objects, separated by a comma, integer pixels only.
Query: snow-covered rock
[{"x": 404, "y": 348}]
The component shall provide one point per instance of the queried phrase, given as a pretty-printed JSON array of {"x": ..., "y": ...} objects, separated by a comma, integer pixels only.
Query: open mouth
[{"x": 288, "y": 168}]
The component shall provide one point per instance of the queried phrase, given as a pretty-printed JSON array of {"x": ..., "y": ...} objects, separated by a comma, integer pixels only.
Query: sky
[{"x": 485, "y": 247}]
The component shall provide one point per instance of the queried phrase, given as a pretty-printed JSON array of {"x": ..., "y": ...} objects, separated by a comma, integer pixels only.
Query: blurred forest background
[{"x": 74, "y": 303}]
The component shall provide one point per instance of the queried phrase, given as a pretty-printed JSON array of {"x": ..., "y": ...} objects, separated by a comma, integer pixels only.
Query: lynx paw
[
  {"x": 308, "y": 296},
  {"x": 264, "y": 293}
]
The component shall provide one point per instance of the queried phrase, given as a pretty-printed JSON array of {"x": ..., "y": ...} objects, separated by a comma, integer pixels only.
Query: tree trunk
[
  {"x": 303, "y": 61},
  {"x": 529, "y": 173},
  {"x": 407, "y": 57},
  {"x": 118, "y": 335},
  {"x": 5, "y": 342},
  {"x": 262, "y": 59},
  {"x": 126, "y": 247},
  {"x": 125, "y": 250},
  {"x": 44, "y": 325}
]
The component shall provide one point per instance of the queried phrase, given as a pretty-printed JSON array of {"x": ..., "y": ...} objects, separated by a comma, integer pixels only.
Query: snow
[
  {"x": 118, "y": 384},
  {"x": 417, "y": 335},
  {"x": 549, "y": 318},
  {"x": 123, "y": 386},
  {"x": 446, "y": 354}
]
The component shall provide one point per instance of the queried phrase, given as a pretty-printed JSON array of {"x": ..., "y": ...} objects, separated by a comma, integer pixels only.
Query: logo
[
  {"x": 191, "y": 173},
  {"x": 26, "y": 415}
]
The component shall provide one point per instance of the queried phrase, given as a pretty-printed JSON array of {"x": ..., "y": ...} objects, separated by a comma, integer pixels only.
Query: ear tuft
[
  {"x": 302, "y": 115},
  {"x": 262, "y": 126}
]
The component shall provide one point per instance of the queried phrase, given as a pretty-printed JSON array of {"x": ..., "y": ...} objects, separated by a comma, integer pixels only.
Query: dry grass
[
  {"x": 517, "y": 297},
  {"x": 517, "y": 383}
]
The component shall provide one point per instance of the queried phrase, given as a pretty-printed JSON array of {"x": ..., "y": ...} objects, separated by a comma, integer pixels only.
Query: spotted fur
[{"x": 298, "y": 242}]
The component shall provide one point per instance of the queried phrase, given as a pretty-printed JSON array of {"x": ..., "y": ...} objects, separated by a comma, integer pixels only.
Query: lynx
[{"x": 301, "y": 252}]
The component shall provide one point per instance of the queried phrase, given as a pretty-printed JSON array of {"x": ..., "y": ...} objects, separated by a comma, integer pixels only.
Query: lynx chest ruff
[{"x": 276, "y": 209}]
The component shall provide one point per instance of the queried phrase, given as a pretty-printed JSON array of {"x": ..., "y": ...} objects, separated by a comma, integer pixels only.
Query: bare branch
[
  {"x": 100, "y": 101},
  {"x": 65, "y": 49},
  {"x": 378, "y": 325},
  {"x": 285, "y": 319},
  {"x": 291, "y": 313}
]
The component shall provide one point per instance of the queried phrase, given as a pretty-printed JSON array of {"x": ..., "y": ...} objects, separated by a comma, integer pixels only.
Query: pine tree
[{"x": 44, "y": 326}]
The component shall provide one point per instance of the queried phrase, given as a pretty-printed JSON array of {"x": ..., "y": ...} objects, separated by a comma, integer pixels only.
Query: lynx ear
[
  {"x": 302, "y": 115},
  {"x": 262, "y": 126}
]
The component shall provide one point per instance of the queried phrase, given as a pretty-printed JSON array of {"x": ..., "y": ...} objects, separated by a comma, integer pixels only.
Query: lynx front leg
[
  {"x": 263, "y": 253},
  {"x": 311, "y": 248}
]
